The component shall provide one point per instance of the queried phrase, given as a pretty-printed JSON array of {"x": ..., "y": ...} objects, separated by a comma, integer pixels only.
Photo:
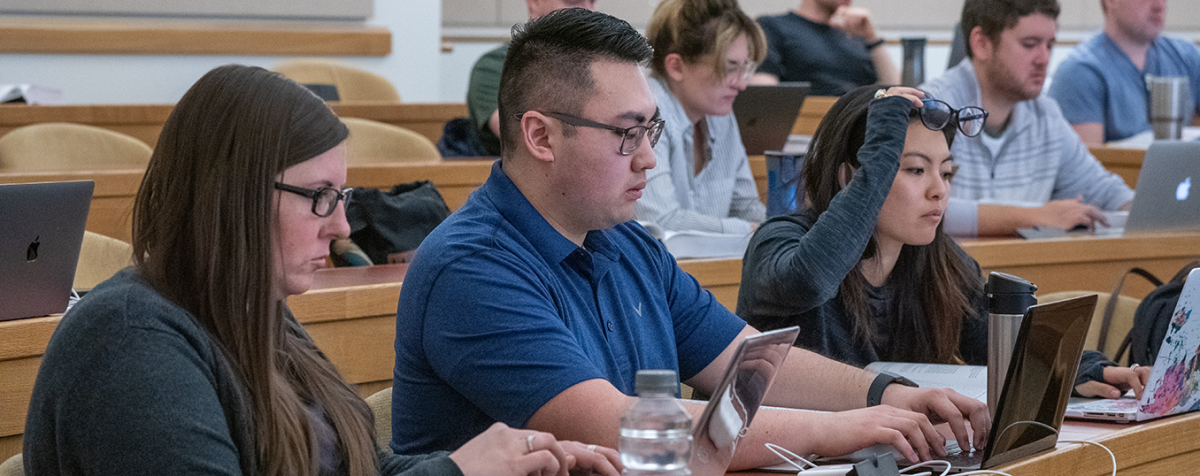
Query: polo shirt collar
[{"x": 515, "y": 208}]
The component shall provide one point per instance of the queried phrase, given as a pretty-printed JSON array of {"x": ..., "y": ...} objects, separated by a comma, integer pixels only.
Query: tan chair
[
  {"x": 352, "y": 84},
  {"x": 1118, "y": 327},
  {"x": 377, "y": 142},
  {"x": 13, "y": 466},
  {"x": 57, "y": 146},
  {"x": 99, "y": 259},
  {"x": 381, "y": 405}
]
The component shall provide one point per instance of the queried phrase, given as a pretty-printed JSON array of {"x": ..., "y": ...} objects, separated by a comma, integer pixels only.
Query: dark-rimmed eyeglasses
[
  {"x": 324, "y": 200},
  {"x": 937, "y": 115},
  {"x": 631, "y": 137}
]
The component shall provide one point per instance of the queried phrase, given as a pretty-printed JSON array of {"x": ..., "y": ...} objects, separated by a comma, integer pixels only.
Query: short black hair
[
  {"x": 549, "y": 64},
  {"x": 993, "y": 16}
]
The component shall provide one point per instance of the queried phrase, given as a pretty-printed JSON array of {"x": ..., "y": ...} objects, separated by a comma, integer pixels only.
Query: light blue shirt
[
  {"x": 1098, "y": 83},
  {"x": 1039, "y": 158},
  {"x": 722, "y": 198}
]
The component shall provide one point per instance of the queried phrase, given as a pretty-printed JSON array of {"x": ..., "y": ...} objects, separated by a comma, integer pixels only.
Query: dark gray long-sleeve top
[
  {"x": 795, "y": 264},
  {"x": 131, "y": 384}
]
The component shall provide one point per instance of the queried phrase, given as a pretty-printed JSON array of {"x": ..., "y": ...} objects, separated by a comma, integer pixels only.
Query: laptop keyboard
[{"x": 957, "y": 457}]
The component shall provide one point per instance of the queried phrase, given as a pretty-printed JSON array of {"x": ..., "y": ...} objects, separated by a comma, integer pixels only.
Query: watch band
[
  {"x": 881, "y": 382},
  {"x": 874, "y": 44}
]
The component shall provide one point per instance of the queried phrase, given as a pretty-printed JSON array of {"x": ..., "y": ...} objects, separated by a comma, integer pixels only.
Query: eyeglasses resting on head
[
  {"x": 324, "y": 199},
  {"x": 937, "y": 115},
  {"x": 631, "y": 137}
]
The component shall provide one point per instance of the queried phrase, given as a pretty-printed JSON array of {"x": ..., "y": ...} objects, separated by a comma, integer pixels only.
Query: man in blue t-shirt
[
  {"x": 827, "y": 43},
  {"x": 536, "y": 303},
  {"x": 1101, "y": 86}
]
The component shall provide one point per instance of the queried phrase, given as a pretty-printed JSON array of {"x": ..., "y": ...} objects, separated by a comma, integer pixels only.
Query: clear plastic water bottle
[{"x": 656, "y": 431}]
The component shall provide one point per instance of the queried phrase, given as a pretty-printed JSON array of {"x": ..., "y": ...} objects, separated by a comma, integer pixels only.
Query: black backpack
[{"x": 1151, "y": 318}]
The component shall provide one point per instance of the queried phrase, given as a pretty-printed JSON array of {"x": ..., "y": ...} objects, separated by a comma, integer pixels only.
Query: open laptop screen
[
  {"x": 1039, "y": 381},
  {"x": 737, "y": 399}
]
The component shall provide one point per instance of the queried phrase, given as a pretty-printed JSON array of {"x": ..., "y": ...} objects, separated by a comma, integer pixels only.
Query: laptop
[
  {"x": 1164, "y": 199},
  {"x": 1036, "y": 389},
  {"x": 1172, "y": 386},
  {"x": 1038, "y": 385},
  {"x": 765, "y": 114},
  {"x": 40, "y": 238},
  {"x": 736, "y": 399}
]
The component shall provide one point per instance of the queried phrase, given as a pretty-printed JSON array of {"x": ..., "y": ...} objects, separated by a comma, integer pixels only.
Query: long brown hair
[
  {"x": 928, "y": 302},
  {"x": 202, "y": 237}
]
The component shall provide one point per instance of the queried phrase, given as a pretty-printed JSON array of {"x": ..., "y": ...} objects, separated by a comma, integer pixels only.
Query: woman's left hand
[
  {"x": 1117, "y": 381},
  {"x": 592, "y": 459}
]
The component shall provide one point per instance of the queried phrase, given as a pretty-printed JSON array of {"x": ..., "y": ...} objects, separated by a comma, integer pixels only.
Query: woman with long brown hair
[
  {"x": 190, "y": 362},
  {"x": 863, "y": 267}
]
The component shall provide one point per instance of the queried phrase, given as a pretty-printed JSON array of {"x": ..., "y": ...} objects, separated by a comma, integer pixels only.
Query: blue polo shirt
[
  {"x": 499, "y": 313},
  {"x": 1099, "y": 83}
]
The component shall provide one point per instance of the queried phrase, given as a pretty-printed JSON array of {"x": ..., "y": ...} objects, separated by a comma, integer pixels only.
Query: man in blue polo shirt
[
  {"x": 537, "y": 302},
  {"x": 1101, "y": 86}
]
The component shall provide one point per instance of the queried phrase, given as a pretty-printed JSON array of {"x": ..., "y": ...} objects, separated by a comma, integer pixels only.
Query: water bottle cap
[
  {"x": 655, "y": 381},
  {"x": 1008, "y": 294}
]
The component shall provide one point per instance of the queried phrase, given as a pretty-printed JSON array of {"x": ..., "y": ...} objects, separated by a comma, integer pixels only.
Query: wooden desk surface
[
  {"x": 1064, "y": 264},
  {"x": 1166, "y": 446},
  {"x": 145, "y": 121}
]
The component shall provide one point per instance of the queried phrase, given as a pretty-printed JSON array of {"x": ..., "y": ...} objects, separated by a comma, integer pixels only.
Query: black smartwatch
[{"x": 875, "y": 393}]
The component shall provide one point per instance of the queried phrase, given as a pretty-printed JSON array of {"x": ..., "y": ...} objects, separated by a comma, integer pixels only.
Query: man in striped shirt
[{"x": 1029, "y": 168}]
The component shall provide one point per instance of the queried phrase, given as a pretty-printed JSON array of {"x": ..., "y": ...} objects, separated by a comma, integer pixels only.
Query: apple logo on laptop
[
  {"x": 32, "y": 253},
  {"x": 1181, "y": 192}
]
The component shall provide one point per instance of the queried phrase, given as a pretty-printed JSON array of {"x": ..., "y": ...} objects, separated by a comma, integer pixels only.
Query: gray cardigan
[{"x": 132, "y": 384}]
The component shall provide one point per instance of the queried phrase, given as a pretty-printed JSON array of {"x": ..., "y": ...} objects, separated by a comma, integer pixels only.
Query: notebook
[
  {"x": 765, "y": 114},
  {"x": 41, "y": 231},
  {"x": 1173, "y": 385},
  {"x": 736, "y": 399},
  {"x": 1037, "y": 387}
]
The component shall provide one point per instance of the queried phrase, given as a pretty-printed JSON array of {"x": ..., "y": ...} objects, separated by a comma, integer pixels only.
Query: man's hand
[
  {"x": 1067, "y": 214},
  {"x": 944, "y": 405},
  {"x": 855, "y": 21},
  {"x": 1117, "y": 381},
  {"x": 910, "y": 433}
]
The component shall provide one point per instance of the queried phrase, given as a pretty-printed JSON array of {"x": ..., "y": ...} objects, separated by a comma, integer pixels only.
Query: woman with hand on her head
[
  {"x": 190, "y": 362},
  {"x": 864, "y": 267},
  {"x": 704, "y": 50}
]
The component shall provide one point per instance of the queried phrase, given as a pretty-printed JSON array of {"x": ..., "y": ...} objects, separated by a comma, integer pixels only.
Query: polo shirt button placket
[{"x": 610, "y": 326}]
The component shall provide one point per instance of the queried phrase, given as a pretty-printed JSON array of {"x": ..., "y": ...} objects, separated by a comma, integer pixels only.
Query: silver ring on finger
[
  {"x": 529, "y": 442},
  {"x": 591, "y": 448}
]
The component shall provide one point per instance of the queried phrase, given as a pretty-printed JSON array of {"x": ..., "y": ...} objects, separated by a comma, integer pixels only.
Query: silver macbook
[
  {"x": 737, "y": 398},
  {"x": 41, "y": 231},
  {"x": 765, "y": 115},
  {"x": 1172, "y": 387},
  {"x": 1165, "y": 198}
]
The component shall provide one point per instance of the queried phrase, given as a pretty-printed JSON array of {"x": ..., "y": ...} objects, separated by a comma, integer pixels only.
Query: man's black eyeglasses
[
  {"x": 631, "y": 137},
  {"x": 324, "y": 200},
  {"x": 937, "y": 115}
]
